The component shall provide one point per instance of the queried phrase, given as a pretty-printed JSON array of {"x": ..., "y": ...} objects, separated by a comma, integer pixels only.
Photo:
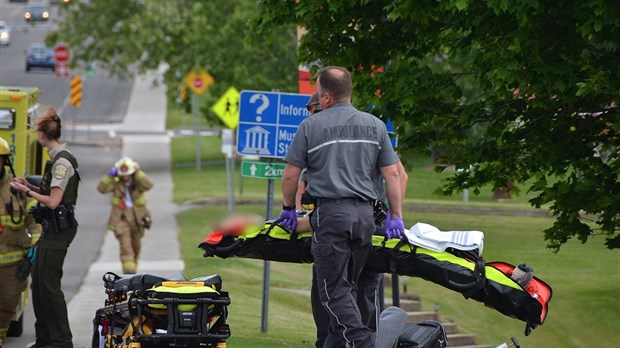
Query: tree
[
  {"x": 522, "y": 91},
  {"x": 131, "y": 37}
]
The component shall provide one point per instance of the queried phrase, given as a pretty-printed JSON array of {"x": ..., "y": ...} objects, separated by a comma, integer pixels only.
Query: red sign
[
  {"x": 198, "y": 83},
  {"x": 61, "y": 53},
  {"x": 61, "y": 69}
]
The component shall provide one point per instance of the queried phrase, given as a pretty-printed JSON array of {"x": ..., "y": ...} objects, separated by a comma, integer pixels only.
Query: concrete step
[
  {"x": 409, "y": 296},
  {"x": 407, "y": 305},
  {"x": 416, "y": 317},
  {"x": 459, "y": 340},
  {"x": 411, "y": 303},
  {"x": 450, "y": 328}
]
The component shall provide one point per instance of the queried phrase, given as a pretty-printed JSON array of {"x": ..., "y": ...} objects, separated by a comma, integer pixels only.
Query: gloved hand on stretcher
[
  {"x": 394, "y": 227},
  {"x": 289, "y": 218}
]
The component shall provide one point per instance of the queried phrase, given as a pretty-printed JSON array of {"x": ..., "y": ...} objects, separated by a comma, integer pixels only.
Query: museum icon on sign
[{"x": 257, "y": 141}]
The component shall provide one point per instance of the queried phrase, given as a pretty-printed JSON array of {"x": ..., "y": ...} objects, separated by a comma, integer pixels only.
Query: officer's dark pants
[
  {"x": 340, "y": 245},
  {"x": 48, "y": 300}
]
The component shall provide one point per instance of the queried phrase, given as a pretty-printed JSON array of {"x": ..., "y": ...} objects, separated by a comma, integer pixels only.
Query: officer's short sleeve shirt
[{"x": 62, "y": 170}]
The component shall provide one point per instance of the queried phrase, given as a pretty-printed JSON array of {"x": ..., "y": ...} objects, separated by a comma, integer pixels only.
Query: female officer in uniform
[{"x": 57, "y": 196}]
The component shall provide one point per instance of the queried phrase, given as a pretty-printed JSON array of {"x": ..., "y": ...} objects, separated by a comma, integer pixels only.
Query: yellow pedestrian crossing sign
[{"x": 227, "y": 107}]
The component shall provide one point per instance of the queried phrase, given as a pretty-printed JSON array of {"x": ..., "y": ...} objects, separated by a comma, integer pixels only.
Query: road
[{"x": 105, "y": 100}]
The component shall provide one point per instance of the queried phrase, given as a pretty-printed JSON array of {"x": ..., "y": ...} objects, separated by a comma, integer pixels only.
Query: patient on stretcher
[
  {"x": 451, "y": 259},
  {"x": 240, "y": 223},
  {"x": 420, "y": 234}
]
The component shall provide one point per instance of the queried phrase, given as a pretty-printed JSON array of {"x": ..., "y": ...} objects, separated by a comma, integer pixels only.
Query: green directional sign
[{"x": 262, "y": 170}]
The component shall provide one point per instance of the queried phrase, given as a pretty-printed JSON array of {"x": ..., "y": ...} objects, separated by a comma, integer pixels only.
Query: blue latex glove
[
  {"x": 289, "y": 219},
  {"x": 394, "y": 227},
  {"x": 112, "y": 171}
]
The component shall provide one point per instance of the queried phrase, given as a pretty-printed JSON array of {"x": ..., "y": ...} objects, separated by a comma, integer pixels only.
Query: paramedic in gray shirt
[{"x": 342, "y": 147}]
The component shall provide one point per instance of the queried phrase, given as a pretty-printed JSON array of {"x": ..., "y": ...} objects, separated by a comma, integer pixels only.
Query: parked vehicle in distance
[
  {"x": 40, "y": 56},
  {"x": 5, "y": 34},
  {"x": 37, "y": 13}
]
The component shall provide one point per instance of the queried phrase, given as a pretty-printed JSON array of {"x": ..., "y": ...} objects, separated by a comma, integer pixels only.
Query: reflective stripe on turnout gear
[
  {"x": 11, "y": 257},
  {"x": 7, "y": 221}
]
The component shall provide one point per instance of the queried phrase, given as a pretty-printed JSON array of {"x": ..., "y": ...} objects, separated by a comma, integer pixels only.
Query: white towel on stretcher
[{"x": 430, "y": 237}]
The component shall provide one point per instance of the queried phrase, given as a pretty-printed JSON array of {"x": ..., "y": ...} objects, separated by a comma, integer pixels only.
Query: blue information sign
[
  {"x": 268, "y": 122},
  {"x": 389, "y": 125}
]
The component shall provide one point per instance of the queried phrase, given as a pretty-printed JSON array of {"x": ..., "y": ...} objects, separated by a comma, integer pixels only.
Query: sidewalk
[{"x": 147, "y": 142}]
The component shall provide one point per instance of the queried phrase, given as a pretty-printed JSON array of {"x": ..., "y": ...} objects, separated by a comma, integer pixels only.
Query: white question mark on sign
[{"x": 264, "y": 104}]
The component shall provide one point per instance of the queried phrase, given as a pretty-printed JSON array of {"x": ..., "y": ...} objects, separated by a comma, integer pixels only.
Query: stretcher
[
  {"x": 463, "y": 271},
  {"x": 146, "y": 310}
]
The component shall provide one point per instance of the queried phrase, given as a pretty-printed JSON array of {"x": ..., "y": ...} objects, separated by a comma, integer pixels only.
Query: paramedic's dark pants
[
  {"x": 48, "y": 300},
  {"x": 367, "y": 301},
  {"x": 340, "y": 245}
]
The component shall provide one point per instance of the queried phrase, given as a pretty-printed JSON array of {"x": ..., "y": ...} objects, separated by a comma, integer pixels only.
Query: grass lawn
[
  {"x": 584, "y": 310},
  {"x": 211, "y": 180}
]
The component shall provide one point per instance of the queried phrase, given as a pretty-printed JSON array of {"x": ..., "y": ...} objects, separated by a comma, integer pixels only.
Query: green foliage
[
  {"x": 129, "y": 37},
  {"x": 511, "y": 91}
]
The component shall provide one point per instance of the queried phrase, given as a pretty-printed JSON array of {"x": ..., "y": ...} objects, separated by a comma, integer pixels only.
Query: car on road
[
  {"x": 5, "y": 33},
  {"x": 37, "y": 13},
  {"x": 40, "y": 56}
]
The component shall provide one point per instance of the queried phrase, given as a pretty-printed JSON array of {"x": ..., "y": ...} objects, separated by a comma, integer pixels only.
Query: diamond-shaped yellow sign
[
  {"x": 198, "y": 82},
  {"x": 227, "y": 107}
]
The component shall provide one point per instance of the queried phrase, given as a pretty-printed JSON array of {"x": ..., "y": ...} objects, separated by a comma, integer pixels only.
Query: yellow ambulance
[{"x": 18, "y": 108}]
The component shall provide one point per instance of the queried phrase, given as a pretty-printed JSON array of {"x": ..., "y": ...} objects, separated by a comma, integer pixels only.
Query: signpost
[
  {"x": 61, "y": 70},
  {"x": 227, "y": 149},
  {"x": 268, "y": 122},
  {"x": 61, "y": 56},
  {"x": 262, "y": 170},
  {"x": 198, "y": 83}
]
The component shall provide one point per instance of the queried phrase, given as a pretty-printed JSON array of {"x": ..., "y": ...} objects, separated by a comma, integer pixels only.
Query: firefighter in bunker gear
[
  {"x": 18, "y": 233},
  {"x": 130, "y": 215}
]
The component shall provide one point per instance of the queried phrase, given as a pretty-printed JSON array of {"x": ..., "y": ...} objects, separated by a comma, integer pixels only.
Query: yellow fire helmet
[
  {"x": 5, "y": 149},
  {"x": 126, "y": 166}
]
